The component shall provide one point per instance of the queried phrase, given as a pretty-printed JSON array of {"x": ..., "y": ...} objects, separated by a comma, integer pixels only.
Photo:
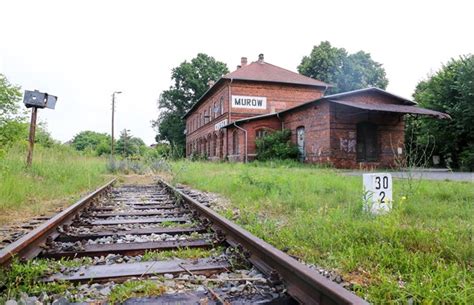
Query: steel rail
[
  {"x": 30, "y": 245},
  {"x": 304, "y": 284}
]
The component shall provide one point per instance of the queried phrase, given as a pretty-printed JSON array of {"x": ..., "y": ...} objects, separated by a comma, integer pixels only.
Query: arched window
[
  {"x": 208, "y": 148},
  {"x": 214, "y": 111},
  {"x": 210, "y": 113},
  {"x": 235, "y": 143},
  {"x": 260, "y": 133},
  {"x": 214, "y": 145},
  {"x": 300, "y": 140},
  {"x": 221, "y": 106},
  {"x": 205, "y": 116},
  {"x": 201, "y": 120}
]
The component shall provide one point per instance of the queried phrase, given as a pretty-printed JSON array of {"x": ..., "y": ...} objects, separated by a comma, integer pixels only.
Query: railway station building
[{"x": 361, "y": 128}]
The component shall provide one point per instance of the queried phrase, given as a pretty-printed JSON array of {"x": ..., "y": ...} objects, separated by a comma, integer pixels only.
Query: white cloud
[{"x": 82, "y": 51}]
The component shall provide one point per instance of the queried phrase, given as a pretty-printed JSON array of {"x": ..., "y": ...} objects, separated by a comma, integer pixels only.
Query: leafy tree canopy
[
  {"x": 190, "y": 83},
  {"x": 345, "y": 71},
  {"x": 91, "y": 140},
  {"x": 17, "y": 131},
  {"x": 10, "y": 96},
  {"x": 127, "y": 145},
  {"x": 450, "y": 90}
]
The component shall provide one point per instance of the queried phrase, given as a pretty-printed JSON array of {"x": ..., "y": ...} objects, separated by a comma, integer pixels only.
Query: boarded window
[
  {"x": 367, "y": 142},
  {"x": 235, "y": 143}
]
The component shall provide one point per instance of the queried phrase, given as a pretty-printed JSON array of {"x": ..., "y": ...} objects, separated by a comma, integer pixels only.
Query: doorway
[{"x": 367, "y": 142}]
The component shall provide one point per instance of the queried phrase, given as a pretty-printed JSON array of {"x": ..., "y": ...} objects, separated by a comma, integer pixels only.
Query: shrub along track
[{"x": 123, "y": 230}]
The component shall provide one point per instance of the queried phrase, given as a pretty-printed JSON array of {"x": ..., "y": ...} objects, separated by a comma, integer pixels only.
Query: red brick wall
[
  {"x": 315, "y": 120},
  {"x": 198, "y": 133},
  {"x": 330, "y": 129},
  {"x": 279, "y": 96},
  {"x": 331, "y": 134},
  {"x": 344, "y": 120},
  {"x": 270, "y": 123}
]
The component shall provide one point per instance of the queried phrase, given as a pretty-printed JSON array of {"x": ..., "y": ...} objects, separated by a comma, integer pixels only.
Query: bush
[
  {"x": 276, "y": 145},
  {"x": 466, "y": 159}
]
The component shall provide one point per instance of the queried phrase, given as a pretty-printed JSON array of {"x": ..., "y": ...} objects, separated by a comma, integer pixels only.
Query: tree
[
  {"x": 450, "y": 90},
  {"x": 190, "y": 83},
  {"x": 127, "y": 145},
  {"x": 14, "y": 126},
  {"x": 11, "y": 126},
  {"x": 91, "y": 140},
  {"x": 10, "y": 96},
  {"x": 345, "y": 71}
]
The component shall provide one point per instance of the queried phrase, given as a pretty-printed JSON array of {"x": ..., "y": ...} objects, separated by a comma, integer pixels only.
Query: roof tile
[{"x": 265, "y": 72}]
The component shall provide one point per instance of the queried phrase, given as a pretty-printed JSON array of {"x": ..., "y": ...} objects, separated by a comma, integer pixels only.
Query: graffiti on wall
[{"x": 348, "y": 145}]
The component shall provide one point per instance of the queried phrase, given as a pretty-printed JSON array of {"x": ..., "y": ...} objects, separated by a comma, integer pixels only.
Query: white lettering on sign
[
  {"x": 377, "y": 193},
  {"x": 220, "y": 124},
  {"x": 252, "y": 102}
]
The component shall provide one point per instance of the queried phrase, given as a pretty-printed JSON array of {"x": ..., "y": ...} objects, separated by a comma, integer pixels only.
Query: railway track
[{"x": 159, "y": 234}]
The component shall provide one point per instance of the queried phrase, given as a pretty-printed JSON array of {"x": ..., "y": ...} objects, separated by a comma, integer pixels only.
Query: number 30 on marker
[{"x": 377, "y": 192}]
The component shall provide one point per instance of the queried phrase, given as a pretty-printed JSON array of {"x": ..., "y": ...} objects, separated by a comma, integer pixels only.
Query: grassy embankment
[
  {"x": 422, "y": 250},
  {"x": 58, "y": 176}
]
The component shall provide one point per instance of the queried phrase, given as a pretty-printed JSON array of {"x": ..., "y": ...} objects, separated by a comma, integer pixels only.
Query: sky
[{"x": 82, "y": 51}]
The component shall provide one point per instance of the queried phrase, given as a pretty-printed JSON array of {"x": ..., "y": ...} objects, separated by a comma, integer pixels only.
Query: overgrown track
[{"x": 119, "y": 227}]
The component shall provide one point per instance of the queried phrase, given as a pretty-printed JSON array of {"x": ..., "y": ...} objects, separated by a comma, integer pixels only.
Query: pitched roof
[
  {"x": 265, "y": 72},
  {"x": 372, "y": 90},
  {"x": 262, "y": 72},
  {"x": 408, "y": 107}
]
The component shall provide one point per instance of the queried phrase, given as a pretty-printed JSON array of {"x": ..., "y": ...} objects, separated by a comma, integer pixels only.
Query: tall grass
[
  {"x": 57, "y": 172},
  {"x": 422, "y": 252}
]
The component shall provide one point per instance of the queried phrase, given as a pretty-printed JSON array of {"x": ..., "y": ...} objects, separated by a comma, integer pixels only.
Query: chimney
[
  {"x": 211, "y": 83},
  {"x": 243, "y": 61},
  {"x": 260, "y": 58}
]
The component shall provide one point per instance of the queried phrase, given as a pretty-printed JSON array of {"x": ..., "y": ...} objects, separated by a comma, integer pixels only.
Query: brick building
[{"x": 348, "y": 130}]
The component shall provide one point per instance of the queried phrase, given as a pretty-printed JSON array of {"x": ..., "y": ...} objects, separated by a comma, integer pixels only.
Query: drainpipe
[
  {"x": 245, "y": 131},
  {"x": 230, "y": 115},
  {"x": 282, "y": 124}
]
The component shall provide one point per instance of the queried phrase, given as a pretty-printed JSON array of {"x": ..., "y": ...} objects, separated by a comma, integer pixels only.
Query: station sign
[
  {"x": 377, "y": 193},
  {"x": 249, "y": 102},
  {"x": 220, "y": 124}
]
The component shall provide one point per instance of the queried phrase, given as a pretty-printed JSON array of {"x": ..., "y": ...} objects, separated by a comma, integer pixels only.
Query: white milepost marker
[{"x": 377, "y": 193}]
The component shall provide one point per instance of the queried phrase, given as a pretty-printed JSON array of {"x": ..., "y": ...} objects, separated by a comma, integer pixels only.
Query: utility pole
[{"x": 113, "y": 119}]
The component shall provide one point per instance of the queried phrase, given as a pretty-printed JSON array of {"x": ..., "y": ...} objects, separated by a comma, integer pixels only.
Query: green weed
[
  {"x": 25, "y": 277},
  {"x": 132, "y": 289},
  {"x": 422, "y": 251},
  {"x": 57, "y": 172},
  {"x": 184, "y": 253}
]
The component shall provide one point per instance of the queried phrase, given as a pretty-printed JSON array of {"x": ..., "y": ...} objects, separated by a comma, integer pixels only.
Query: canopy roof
[{"x": 393, "y": 108}]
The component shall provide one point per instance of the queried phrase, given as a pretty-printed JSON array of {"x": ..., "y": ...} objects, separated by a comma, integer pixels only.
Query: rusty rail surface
[
  {"x": 304, "y": 284},
  {"x": 29, "y": 245}
]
